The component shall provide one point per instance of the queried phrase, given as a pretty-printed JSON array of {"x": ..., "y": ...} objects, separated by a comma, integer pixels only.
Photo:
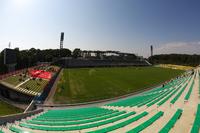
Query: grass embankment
[{"x": 6, "y": 109}]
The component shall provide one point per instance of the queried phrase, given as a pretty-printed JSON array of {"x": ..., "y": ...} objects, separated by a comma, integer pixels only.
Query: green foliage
[
  {"x": 28, "y": 58},
  {"x": 89, "y": 84},
  {"x": 76, "y": 53},
  {"x": 6, "y": 109},
  {"x": 178, "y": 59}
]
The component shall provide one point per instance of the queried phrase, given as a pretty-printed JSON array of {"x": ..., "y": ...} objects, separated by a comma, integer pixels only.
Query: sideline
[
  {"x": 49, "y": 99},
  {"x": 99, "y": 102}
]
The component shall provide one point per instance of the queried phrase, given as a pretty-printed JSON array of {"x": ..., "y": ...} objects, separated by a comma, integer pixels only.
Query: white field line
[{"x": 22, "y": 83}]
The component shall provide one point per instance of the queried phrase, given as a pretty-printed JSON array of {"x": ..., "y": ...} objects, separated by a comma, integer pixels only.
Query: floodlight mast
[
  {"x": 61, "y": 43},
  {"x": 151, "y": 47},
  {"x": 61, "y": 40},
  {"x": 9, "y": 45}
]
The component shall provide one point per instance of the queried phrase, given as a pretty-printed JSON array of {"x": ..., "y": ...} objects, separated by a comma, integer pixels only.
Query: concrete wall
[
  {"x": 14, "y": 95},
  {"x": 13, "y": 118}
]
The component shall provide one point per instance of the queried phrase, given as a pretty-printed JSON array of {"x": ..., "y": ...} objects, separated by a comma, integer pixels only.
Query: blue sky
[{"x": 171, "y": 26}]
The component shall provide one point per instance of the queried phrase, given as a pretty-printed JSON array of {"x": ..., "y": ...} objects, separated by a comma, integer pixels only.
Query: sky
[{"x": 171, "y": 26}]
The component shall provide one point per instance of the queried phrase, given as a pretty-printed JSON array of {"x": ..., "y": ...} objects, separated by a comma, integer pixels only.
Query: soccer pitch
[{"x": 90, "y": 84}]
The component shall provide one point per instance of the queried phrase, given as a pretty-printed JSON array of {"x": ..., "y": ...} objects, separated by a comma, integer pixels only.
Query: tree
[
  {"x": 178, "y": 59},
  {"x": 65, "y": 53},
  {"x": 76, "y": 53}
]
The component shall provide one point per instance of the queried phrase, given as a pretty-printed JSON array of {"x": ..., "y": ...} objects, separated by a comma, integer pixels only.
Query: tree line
[
  {"x": 30, "y": 57},
  {"x": 177, "y": 59}
]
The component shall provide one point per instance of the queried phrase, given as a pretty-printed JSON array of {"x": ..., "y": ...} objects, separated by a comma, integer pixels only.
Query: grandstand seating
[
  {"x": 34, "y": 85},
  {"x": 171, "y": 122},
  {"x": 100, "y": 63},
  {"x": 196, "y": 124},
  {"x": 17, "y": 130},
  {"x": 73, "y": 114},
  {"x": 169, "y": 96},
  {"x": 151, "y": 97},
  {"x": 187, "y": 96},
  {"x": 199, "y": 82},
  {"x": 70, "y": 122},
  {"x": 57, "y": 120},
  {"x": 116, "y": 115},
  {"x": 120, "y": 125},
  {"x": 178, "y": 95},
  {"x": 14, "y": 80},
  {"x": 75, "y": 127},
  {"x": 146, "y": 123},
  {"x": 27, "y": 85},
  {"x": 30, "y": 86}
]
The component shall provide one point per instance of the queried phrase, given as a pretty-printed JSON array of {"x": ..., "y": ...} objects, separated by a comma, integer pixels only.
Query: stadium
[
  {"x": 91, "y": 94},
  {"x": 104, "y": 86}
]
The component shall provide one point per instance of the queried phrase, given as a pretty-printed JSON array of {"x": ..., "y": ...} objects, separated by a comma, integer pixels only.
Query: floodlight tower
[
  {"x": 61, "y": 40},
  {"x": 9, "y": 45},
  {"x": 151, "y": 47}
]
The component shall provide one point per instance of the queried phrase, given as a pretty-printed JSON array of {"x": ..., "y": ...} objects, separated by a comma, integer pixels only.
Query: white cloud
[{"x": 179, "y": 48}]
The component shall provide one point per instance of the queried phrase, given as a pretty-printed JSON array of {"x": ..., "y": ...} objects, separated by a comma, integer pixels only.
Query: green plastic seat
[
  {"x": 171, "y": 122},
  {"x": 196, "y": 124},
  {"x": 147, "y": 123},
  {"x": 18, "y": 130}
]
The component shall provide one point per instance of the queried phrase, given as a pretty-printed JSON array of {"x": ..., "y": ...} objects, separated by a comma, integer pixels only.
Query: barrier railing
[
  {"x": 15, "y": 117},
  {"x": 47, "y": 88}
]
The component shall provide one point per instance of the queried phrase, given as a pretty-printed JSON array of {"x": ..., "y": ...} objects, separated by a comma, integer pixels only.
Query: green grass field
[
  {"x": 6, "y": 109},
  {"x": 89, "y": 84},
  {"x": 14, "y": 80}
]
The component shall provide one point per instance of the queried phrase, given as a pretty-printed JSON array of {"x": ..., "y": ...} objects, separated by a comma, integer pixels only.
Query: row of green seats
[
  {"x": 146, "y": 123},
  {"x": 128, "y": 102},
  {"x": 196, "y": 124},
  {"x": 199, "y": 81},
  {"x": 171, "y": 122},
  {"x": 151, "y": 101},
  {"x": 74, "y": 119},
  {"x": 1, "y": 131},
  {"x": 173, "y": 83},
  {"x": 187, "y": 96},
  {"x": 121, "y": 124},
  {"x": 133, "y": 101},
  {"x": 73, "y": 112},
  {"x": 64, "y": 123},
  {"x": 79, "y": 127},
  {"x": 178, "y": 95},
  {"x": 157, "y": 90},
  {"x": 169, "y": 96},
  {"x": 57, "y": 116},
  {"x": 17, "y": 130},
  {"x": 158, "y": 97},
  {"x": 146, "y": 101}
]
